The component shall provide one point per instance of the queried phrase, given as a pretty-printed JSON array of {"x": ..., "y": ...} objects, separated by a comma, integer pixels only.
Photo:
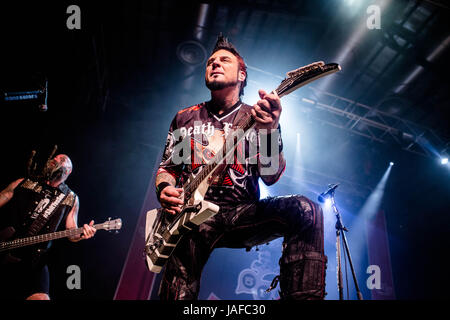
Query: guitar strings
[{"x": 42, "y": 238}]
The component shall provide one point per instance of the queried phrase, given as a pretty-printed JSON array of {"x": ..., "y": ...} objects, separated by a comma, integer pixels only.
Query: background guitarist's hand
[
  {"x": 88, "y": 231},
  {"x": 170, "y": 199}
]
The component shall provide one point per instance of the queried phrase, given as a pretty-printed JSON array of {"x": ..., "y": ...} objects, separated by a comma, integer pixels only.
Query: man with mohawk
[{"x": 244, "y": 220}]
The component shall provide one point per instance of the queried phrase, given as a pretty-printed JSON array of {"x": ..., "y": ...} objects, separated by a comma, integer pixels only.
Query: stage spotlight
[
  {"x": 444, "y": 160},
  {"x": 328, "y": 202},
  {"x": 391, "y": 163}
]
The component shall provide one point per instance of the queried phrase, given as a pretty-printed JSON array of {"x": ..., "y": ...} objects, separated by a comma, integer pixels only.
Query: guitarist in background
[
  {"x": 37, "y": 205},
  {"x": 243, "y": 220}
]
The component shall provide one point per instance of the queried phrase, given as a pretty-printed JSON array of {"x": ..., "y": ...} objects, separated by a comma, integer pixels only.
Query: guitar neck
[{"x": 43, "y": 238}]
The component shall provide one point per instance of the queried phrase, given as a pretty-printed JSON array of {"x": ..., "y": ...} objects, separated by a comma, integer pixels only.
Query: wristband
[{"x": 160, "y": 187}]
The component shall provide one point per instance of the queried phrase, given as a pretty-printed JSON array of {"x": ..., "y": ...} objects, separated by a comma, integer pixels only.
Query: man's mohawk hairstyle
[{"x": 222, "y": 43}]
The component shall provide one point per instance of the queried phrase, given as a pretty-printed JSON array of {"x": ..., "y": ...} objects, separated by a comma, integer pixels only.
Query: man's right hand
[{"x": 171, "y": 199}]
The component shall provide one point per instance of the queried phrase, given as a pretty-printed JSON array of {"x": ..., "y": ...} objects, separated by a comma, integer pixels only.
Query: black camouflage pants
[{"x": 296, "y": 218}]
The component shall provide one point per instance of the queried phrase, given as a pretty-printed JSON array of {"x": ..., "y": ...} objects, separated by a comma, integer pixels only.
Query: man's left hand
[
  {"x": 88, "y": 231},
  {"x": 267, "y": 111}
]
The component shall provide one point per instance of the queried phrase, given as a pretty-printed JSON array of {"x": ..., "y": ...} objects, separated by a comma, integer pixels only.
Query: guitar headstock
[
  {"x": 304, "y": 69},
  {"x": 115, "y": 224},
  {"x": 304, "y": 75}
]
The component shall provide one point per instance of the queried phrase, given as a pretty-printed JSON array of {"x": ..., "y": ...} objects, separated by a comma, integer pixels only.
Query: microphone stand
[{"x": 340, "y": 230}]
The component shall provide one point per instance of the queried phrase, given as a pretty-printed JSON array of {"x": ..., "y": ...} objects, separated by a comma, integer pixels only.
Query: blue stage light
[
  {"x": 444, "y": 160},
  {"x": 391, "y": 163}
]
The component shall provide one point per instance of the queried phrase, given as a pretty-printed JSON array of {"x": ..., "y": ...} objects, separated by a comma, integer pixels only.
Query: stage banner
[
  {"x": 380, "y": 281},
  {"x": 136, "y": 281}
]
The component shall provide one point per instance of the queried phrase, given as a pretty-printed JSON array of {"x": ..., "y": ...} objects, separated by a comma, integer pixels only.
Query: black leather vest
[{"x": 32, "y": 199}]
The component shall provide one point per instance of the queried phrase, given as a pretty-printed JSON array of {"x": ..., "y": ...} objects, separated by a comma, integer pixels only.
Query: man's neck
[{"x": 223, "y": 100}]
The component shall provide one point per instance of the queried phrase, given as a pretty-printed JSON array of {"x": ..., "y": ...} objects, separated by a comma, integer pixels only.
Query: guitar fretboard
[{"x": 8, "y": 245}]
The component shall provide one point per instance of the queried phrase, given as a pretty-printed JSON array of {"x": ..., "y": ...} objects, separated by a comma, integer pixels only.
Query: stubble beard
[{"x": 218, "y": 85}]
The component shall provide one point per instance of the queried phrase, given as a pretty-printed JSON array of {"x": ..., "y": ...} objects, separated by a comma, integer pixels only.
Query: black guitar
[
  {"x": 11, "y": 248},
  {"x": 162, "y": 231}
]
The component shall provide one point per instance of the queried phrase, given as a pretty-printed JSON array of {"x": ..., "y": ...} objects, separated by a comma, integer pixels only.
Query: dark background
[{"x": 115, "y": 85}]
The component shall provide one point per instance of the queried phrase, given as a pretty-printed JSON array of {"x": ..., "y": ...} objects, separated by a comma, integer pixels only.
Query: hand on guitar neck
[
  {"x": 88, "y": 232},
  {"x": 171, "y": 199},
  {"x": 267, "y": 111}
]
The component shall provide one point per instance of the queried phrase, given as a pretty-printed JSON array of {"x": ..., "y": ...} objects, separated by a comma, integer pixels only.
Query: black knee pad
[
  {"x": 305, "y": 210},
  {"x": 302, "y": 276}
]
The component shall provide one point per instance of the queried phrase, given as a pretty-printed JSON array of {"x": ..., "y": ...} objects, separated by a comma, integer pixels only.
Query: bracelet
[{"x": 160, "y": 187}]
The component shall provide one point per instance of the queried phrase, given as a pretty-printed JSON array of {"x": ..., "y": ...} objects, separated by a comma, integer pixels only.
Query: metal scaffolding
[
  {"x": 374, "y": 124},
  {"x": 367, "y": 121}
]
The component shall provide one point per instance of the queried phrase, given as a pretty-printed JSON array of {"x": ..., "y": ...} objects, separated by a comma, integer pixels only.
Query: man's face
[
  {"x": 58, "y": 169},
  {"x": 222, "y": 71}
]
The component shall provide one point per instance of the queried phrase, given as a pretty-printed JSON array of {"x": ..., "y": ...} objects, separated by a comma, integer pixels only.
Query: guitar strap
[{"x": 242, "y": 113}]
